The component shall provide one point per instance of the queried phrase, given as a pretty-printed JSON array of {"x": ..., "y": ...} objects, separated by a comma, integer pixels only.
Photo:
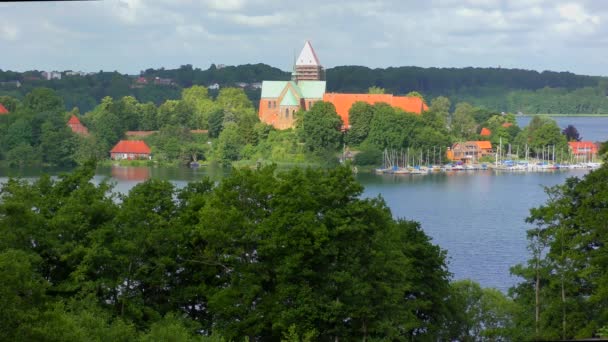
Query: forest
[
  {"x": 495, "y": 89},
  {"x": 274, "y": 255}
]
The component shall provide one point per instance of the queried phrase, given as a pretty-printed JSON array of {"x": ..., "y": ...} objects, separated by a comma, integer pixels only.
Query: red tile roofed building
[
  {"x": 76, "y": 126},
  {"x": 130, "y": 149},
  {"x": 583, "y": 148},
  {"x": 343, "y": 102},
  {"x": 470, "y": 151},
  {"x": 3, "y": 110},
  {"x": 507, "y": 124},
  {"x": 485, "y": 132}
]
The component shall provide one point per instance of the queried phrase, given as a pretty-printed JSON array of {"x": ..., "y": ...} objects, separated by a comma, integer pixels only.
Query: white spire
[{"x": 308, "y": 56}]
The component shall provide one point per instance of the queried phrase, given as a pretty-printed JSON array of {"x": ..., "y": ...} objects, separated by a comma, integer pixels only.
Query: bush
[{"x": 370, "y": 156}]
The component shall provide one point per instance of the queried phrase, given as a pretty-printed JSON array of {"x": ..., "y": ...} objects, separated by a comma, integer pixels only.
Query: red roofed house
[
  {"x": 470, "y": 151},
  {"x": 583, "y": 149},
  {"x": 343, "y": 102},
  {"x": 507, "y": 125},
  {"x": 130, "y": 149},
  {"x": 485, "y": 132},
  {"x": 76, "y": 126},
  {"x": 3, "y": 110}
]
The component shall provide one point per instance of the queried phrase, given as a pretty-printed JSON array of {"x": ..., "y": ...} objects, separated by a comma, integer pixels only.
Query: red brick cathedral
[{"x": 280, "y": 100}]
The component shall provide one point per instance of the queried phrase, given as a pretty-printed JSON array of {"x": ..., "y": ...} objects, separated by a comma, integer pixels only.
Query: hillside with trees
[{"x": 496, "y": 89}]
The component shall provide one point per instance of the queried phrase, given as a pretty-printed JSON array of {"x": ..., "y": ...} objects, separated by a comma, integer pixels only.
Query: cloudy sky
[{"x": 133, "y": 35}]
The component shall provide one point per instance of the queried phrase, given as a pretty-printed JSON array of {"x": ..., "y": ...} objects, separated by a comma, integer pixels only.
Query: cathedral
[{"x": 280, "y": 100}]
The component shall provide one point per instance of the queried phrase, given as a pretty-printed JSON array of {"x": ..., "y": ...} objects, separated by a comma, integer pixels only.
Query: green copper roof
[
  {"x": 272, "y": 89},
  {"x": 312, "y": 89},
  {"x": 304, "y": 89},
  {"x": 289, "y": 99}
]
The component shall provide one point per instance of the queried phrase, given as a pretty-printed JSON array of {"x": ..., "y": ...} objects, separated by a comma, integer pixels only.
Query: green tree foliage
[
  {"x": 320, "y": 128},
  {"x": 375, "y": 90},
  {"x": 360, "y": 117},
  {"x": 564, "y": 284},
  {"x": 216, "y": 123},
  {"x": 542, "y": 136},
  {"x": 479, "y": 314},
  {"x": 463, "y": 125},
  {"x": 228, "y": 145},
  {"x": 262, "y": 255}
]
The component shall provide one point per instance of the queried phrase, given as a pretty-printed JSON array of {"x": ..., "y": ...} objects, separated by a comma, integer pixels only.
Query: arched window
[
  {"x": 269, "y": 104},
  {"x": 286, "y": 113}
]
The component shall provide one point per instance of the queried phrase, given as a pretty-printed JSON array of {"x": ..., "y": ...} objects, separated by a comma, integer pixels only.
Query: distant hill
[{"x": 498, "y": 89}]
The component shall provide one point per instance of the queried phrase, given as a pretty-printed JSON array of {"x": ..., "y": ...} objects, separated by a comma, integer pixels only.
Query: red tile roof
[
  {"x": 507, "y": 124},
  {"x": 131, "y": 146},
  {"x": 583, "y": 147},
  {"x": 74, "y": 120},
  {"x": 3, "y": 110},
  {"x": 484, "y": 144},
  {"x": 485, "y": 132},
  {"x": 343, "y": 102}
]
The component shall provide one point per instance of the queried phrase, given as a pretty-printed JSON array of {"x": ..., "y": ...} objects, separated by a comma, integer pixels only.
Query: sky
[{"x": 133, "y": 35}]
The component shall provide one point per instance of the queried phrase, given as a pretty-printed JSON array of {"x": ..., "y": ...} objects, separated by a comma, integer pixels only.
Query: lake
[
  {"x": 478, "y": 217},
  {"x": 590, "y": 128}
]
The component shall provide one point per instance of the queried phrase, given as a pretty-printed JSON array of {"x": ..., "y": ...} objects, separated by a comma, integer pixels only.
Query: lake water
[
  {"x": 590, "y": 128},
  {"x": 478, "y": 217}
]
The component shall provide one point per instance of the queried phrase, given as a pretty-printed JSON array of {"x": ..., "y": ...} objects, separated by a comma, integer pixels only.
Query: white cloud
[
  {"x": 575, "y": 20},
  {"x": 225, "y": 5},
  {"x": 259, "y": 20},
  {"x": 9, "y": 32}
]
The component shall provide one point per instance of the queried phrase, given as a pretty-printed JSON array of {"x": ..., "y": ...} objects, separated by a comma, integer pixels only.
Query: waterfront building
[
  {"x": 130, "y": 150},
  {"x": 586, "y": 150},
  {"x": 470, "y": 151},
  {"x": 76, "y": 126}
]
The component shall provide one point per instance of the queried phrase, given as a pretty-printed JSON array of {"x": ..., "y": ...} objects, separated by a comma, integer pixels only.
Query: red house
[
  {"x": 130, "y": 149},
  {"x": 583, "y": 148},
  {"x": 76, "y": 126},
  {"x": 485, "y": 132},
  {"x": 3, "y": 110}
]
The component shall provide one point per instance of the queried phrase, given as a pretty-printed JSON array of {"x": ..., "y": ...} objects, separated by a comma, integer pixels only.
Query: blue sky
[{"x": 133, "y": 35}]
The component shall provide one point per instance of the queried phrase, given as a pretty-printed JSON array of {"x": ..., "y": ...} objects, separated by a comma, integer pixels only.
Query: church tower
[{"x": 308, "y": 67}]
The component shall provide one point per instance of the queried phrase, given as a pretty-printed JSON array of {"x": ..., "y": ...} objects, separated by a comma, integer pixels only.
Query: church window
[
  {"x": 286, "y": 113},
  {"x": 269, "y": 104}
]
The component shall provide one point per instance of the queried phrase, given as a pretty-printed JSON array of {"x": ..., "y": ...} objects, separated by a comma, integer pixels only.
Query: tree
[
  {"x": 228, "y": 145},
  {"x": 197, "y": 97},
  {"x": 43, "y": 99},
  {"x": 360, "y": 117},
  {"x": 375, "y": 90},
  {"x": 320, "y": 128},
  {"x": 388, "y": 129},
  {"x": 565, "y": 281},
  {"x": 463, "y": 125},
  {"x": 571, "y": 133},
  {"x": 415, "y": 94},
  {"x": 216, "y": 123}
]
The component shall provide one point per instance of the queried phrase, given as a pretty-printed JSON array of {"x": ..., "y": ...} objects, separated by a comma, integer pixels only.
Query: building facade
[
  {"x": 470, "y": 151},
  {"x": 131, "y": 150},
  {"x": 280, "y": 100}
]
